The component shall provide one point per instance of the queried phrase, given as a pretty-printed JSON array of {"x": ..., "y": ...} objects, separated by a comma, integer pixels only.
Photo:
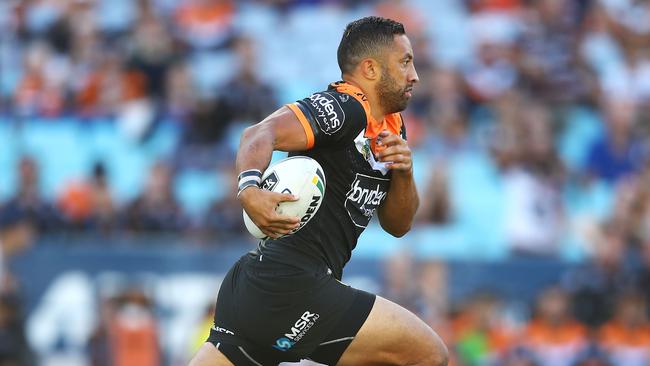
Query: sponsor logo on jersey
[
  {"x": 297, "y": 331},
  {"x": 329, "y": 113},
  {"x": 222, "y": 330},
  {"x": 270, "y": 182},
  {"x": 365, "y": 195},
  {"x": 344, "y": 97}
]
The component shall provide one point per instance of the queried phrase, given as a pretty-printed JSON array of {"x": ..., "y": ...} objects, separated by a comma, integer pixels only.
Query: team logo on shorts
[
  {"x": 365, "y": 195},
  {"x": 329, "y": 113},
  {"x": 297, "y": 332}
]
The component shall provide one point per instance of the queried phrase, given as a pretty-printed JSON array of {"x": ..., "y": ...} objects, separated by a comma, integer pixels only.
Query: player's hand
[
  {"x": 394, "y": 150},
  {"x": 260, "y": 206}
]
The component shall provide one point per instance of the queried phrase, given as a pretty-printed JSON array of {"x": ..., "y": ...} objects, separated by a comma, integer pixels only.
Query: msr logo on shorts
[
  {"x": 221, "y": 330},
  {"x": 329, "y": 113},
  {"x": 298, "y": 330}
]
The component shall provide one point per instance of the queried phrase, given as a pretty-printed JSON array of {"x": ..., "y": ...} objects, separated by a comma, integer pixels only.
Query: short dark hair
[{"x": 366, "y": 37}]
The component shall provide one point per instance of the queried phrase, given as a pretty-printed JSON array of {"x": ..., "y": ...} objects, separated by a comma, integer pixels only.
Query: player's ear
[{"x": 370, "y": 68}]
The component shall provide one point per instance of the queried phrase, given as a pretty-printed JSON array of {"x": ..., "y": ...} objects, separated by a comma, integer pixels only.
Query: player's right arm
[{"x": 282, "y": 131}]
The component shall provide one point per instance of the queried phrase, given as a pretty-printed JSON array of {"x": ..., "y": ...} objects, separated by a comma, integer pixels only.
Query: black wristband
[{"x": 248, "y": 178}]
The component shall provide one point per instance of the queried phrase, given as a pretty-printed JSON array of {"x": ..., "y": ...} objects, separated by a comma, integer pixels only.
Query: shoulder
[{"x": 332, "y": 110}]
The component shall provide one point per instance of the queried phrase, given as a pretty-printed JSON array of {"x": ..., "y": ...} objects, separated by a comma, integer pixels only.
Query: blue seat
[
  {"x": 376, "y": 243},
  {"x": 196, "y": 190},
  {"x": 582, "y": 128},
  {"x": 8, "y": 159},
  {"x": 478, "y": 202},
  {"x": 62, "y": 150},
  {"x": 211, "y": 70},
  {"x": 127, "y": 162}
]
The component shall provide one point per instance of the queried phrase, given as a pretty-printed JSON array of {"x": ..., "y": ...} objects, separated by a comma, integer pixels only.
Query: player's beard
[{"x": 391, "y": 96}]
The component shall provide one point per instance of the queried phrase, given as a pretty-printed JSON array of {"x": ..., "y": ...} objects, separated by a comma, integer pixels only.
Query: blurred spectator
[
  {"x": 105, "y": 212},
  {"x": 152, "y": 54},
  {"x": 627, "y": 336},
  {"x": 99, "y": 352},
  {"x": 128, "y": 333},
  {"x": 440, "y": 104},
  {"x": 14, "y": 350},
  {"x": 435, "y": 206},
  {"x": 405, "y": 13},
  {"x": 433, "y": 285},
  {"x": 594, "y": 285},
  {"x": 244, "y": 99},
  {"x": 618, "y": 153},
  {"x": 623, "y": 70},
  {"x": 112, "y": 88},
  {"x": 16, "y": 235},
  {"x": 87, "y": 60},
  {"x": 553, "y": 335},
  {"x": 28, "y": 197},
  {"x": 631, "y": 210},
  {"x": 400, "y": 270},
  {"x": 205, "y": 23},
  {"x": 547, "y": 52},
  {"x": 480, "y": 335},
  {"x": 245, "y": 95},
  {"x": 533, "y": 187},
  {"x": 41, "y": 91},
  {"x": 628, "y": 21},
  {"x": 181, "y": 95},
  {"x": 492, "y": 73},
  {"x": 156, "y": 209},
  {"x": 89, "y": 204}
]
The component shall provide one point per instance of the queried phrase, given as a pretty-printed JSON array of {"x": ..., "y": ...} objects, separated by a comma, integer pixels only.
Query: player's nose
[{"x": 413, "y": 76}]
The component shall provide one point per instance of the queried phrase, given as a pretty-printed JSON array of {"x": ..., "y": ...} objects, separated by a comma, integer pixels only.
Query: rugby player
[{"x": 284, "y": 301}]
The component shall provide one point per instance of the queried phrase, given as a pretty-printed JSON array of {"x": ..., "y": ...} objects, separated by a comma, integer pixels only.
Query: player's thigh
[
  {"x": 392, "y": 335},
  {"x": 209, "y": 355}
]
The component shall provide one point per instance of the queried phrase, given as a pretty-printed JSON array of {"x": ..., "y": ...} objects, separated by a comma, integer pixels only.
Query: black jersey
[{"x": 341, "y": 136}]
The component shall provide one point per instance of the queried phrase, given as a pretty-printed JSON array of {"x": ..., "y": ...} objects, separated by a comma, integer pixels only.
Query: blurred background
[{"x": 119, "y": 121}]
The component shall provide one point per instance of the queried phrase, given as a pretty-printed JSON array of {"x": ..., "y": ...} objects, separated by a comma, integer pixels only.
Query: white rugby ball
[{"x": 298, "y": 175}]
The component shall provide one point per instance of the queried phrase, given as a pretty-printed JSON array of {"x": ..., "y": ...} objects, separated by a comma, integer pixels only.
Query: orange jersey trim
[{"x": 305, "y": 124}]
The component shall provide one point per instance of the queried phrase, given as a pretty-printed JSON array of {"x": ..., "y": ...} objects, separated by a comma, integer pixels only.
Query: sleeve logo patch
[{"x": 329, "y": 113}]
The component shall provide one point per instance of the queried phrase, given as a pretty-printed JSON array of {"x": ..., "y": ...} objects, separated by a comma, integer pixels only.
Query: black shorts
[{"x": 268, "y": 313}]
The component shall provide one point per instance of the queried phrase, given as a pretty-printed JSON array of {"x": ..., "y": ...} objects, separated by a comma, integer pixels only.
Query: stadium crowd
[{"x": 551, "y": 96}]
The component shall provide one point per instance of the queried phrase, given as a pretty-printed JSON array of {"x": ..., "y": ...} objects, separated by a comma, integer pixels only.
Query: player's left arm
[{"x": 398, "y": 209}]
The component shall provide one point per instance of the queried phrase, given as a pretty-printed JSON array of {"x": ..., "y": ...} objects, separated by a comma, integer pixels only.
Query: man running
[{"x": 284, "y": 301}]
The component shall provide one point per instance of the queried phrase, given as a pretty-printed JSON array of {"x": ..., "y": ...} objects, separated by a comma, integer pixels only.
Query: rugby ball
[{"x": 298, "y": 175}]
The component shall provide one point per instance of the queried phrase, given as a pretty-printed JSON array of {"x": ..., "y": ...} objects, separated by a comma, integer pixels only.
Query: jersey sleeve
[{"x": 329, "y": 118}]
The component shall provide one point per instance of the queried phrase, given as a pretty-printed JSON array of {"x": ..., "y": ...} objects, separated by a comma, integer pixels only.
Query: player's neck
[{"x": 375, "y": 107}]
